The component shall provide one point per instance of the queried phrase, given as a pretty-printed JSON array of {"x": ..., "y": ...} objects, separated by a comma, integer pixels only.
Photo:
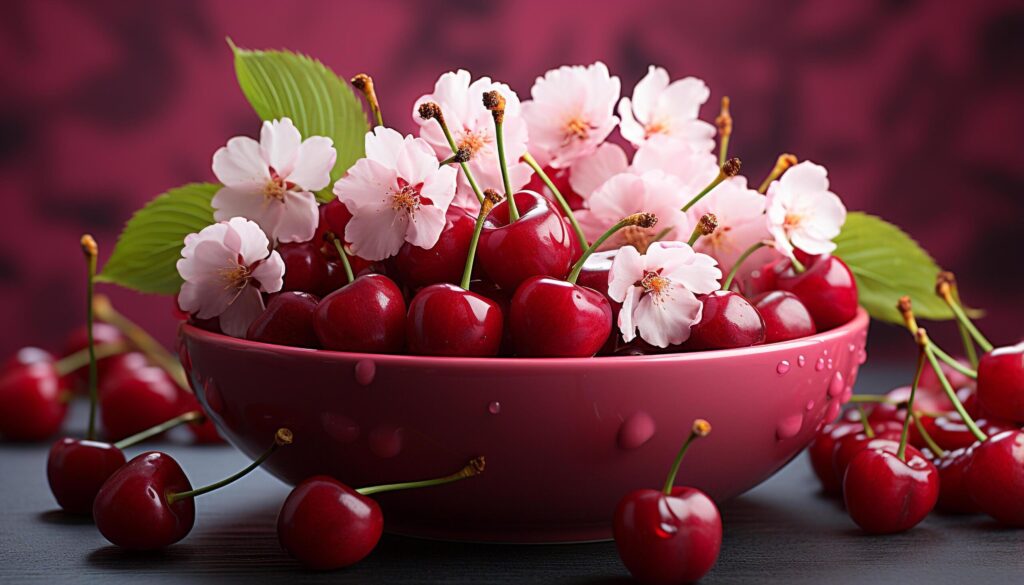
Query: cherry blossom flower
[
  {"x": 396, "y": 194},
  {"x": 802, "y": 212},
  {"x": 739, "y": 211},
  {"x": 658, "y": 291},
  {"x": 571, "y": 113},
  {"x": 589, "y": 172},
  {"x": 271, "y": 181},
  {"x": 694, "y": 168},
  {"x": 660, "y": 107},
  {"x": 225, "y": 267},
  {"x": 472, "y": 127},
  {"x": 629, "y": 193}
]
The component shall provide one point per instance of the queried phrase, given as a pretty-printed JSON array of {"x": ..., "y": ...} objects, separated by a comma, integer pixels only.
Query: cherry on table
[
  {"x": 536, "y": 244},
  {"x": 33, "y": 399},
  {"x": 954, "y": 490},
  {"x": 826, "y": 287},
  {"x": 1001, "y": 382},
  {"x": 76, "y": 470},
  {"x": 785, "y": 316},
  {"x": 849, "y": 445},
  {"x": 728, "y": 320},
  {"x": 950, "y": 431},
  {"x": 820, "y": 453},
  {"x": 366, "y": 315},
  {"x": 136, "y": 399},
  {"x": 995, "y": 477},
  {"x": 885, "y": 493},
  {"x": 287, "y": 320}
]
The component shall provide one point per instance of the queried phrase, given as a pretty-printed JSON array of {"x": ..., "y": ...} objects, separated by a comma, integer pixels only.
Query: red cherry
[
  {"x": 305, "y": 267},
  {"x": 728, "y": 320},
  {"x": 334, "y": 217},
  {"x": 595, "y": 275},
  {"x": 958, "y": 380},
  {"x": 1001, "y": 382},
  {"x": 135, "y": 400},
  {"x": 827, "y": 288},
  {"x": 78, "y": 340},
  {"x": 445, "y": 319},
  {"x": 366, "y": 315},
  {"x": 120, "y": 365},
  {"x": 203, "y": 431},
  {"x": 995, "y": 477},
  {"x": 950, "y": 432},
  {"x": 820, "y": 451},
  {"x": 327, "y": 525},
  {"x": 287, "y": 320},
  {"x": 560, "y": 178},
  {"x": 764, "y": 279},
  {"x": 785, "y": 316},
  {"x": 537, "y": 244},
  {"x": 847, "y": 446},
  {"x": 77, "y": 468},
  {"x": 32, "y": 398},
  {"x": 555, "y": 318},
  {"x": 445, "y": 261},
  {"x": 954, "y": 491},
  {"x": 884, "y": 494}
]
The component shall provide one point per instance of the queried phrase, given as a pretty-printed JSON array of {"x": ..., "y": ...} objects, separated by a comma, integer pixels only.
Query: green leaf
[
  {"x": 284, "y": 84},
  {"x": 888, "y": 264},
  {"x": 148, "y": 249}
]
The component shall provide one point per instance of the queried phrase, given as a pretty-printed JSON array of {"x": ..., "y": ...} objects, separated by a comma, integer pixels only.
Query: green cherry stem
[
  {"x": 781, "y": 164},
  {"x": 142, "y": 340},
  {"x": 706, "y": 225},
  {"x": 528, "y": 159},
  {"x": 343, "y": 255},
  {"x": 905, "y": 308},
  {"x": 188, "y": 417},
  {"x": 901, "y": 452},
  {"x": 80, "y": 358},
  {"x": 472, "y": 469},
  {"x": 724, "y": 124},
  {"x": 281, "y": 438},
  {"x": 739, "y": 261},
  {"x": 491, "y": 198},
  {"x": 922, "y": 339},
  {"x": 926, "y": 436},
  {"x": 868, "y": 431},
  {"x": 730, "y": 168},
  {"x": 965, "y": 335},
  {"x": 701, "y": 428},
  {"x": 91, "y": 251},
  {"x": 495, "y": 102},
  {"x": 364, "y": 83},
  {"x": 432, "y": 111},
  {"x": 641, "y": 220},
  {"x": 945, "y": 290}
]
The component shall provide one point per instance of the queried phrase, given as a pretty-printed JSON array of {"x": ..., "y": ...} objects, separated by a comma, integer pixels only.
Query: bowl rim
[{"x": 859, "y": 322}]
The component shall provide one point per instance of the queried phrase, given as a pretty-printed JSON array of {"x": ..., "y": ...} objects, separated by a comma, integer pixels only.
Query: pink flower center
[
  {"x": 235, "y": 277},
  {"x": 577, "y": 128},
  {"x": 276, "y": 187},
  {"x": 406, "y": 197},
  {"x": 656, "y": 127},
  {"x": 654, "y": 283},
  {"x": 791, "y": 221},
  {"x": 472, "y": 141}
]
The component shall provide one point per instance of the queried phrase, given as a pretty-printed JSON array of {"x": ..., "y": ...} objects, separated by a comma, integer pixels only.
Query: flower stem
[
  {"x": 491, "y": 198},
  {"x": 138, "y": 337},
  {"x": 922, "y": 339},
  {"x": 473, "y": 468},
  {"x": 724, "y": 124},
  {"x": 644, "y": 220},
  {"x": 528, "y": 159},
  {"x": 901, "y": 452},
  {"x": 781, "y": 164},
  {"x": 730, "y": 168},
  {"x": 872, "y": 399},
  {"x": 80, "y": 358},
  {"x": 736, "y": 267},
  {"x": 701, "y": 428},
  {"x": 343, "y": 255},
  {"x": 431, "y": 110},
  {"x": 91, "y": 251},
  {"x": 281, "y": 438},
  {"x": 364, "y": 83},
  {"x": 188, "y": 417},
  {"x": 495, "y": 102}
]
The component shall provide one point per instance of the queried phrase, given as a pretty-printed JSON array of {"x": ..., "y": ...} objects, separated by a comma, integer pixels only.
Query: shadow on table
[{"x": 62, "y": 518}]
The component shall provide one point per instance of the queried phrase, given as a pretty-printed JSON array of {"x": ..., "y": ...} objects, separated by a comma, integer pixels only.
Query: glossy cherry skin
[
  {"x": 537, "y": 244},
  {"x": 136, "y": 400},
  {"x": 325, "y": 524},
  {"x": 848, "y": 446},
  {"x": 728, "y": 320},
  {"x": 287, "y": 320},
  {"x": 667, "y": 538},
  {"x": 885, "y": 495},
  {"x": 950, "y": 432},
  {"x": 32, "y": 398},
  {"x": 954, "y": 491},
  {"x": 553, "y": 318},
  {"x": 995, "y": 477},
  {"x": 366, "y": 315},
  {"x": 77, "y": 469},
  {"x": 785, "y": 316},
  {"x": 560, "y": 179},
  {"x": 929, "y": 380},
  {"x": 820, "y": 452},
  {"x": 448, "y": 320},
  {"x": 1001, "y": 382},
  {"x": 827, "y": 288},
  {"x": 444, "y": 262},
  {"x": 305, "y": 267},
  {"x": 132, "y": 511}
]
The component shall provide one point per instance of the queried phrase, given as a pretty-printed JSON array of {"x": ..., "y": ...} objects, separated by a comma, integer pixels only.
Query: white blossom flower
[{"x": 802, "y": 212}]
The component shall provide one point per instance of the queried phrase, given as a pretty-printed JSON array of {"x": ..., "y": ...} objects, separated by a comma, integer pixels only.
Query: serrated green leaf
[
  {"x": 888, "y": 264},
  {"x": 284, "y": 84},
  {"x": 148, "y": 249}
]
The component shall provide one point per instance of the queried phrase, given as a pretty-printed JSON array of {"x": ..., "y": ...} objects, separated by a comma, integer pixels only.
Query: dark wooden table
[{"x": 782, "y": 531}]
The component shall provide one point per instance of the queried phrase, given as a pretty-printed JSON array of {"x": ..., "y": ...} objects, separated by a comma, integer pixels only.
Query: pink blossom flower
[
  {"x": 571, "y": 113},
  {"x": 658, "y": 291},
  {"x": 802, "y": 212},
  {"x": 694, "y": 168},
  {"x": 225, "y": 267},
  {"x": 741, "y": 224},
  {"x": 660, "y": 107},
  {"x": 628, "y": 193},
  {"x": 396, "y": 194},
  {"x": 271, "y": 181},
  {"x": 589, "y": 172},
  {"x": 472, "y": 127}
]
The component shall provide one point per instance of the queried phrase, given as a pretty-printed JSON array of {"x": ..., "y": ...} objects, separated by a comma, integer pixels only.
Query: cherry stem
[
  {"x": 490, "y": 200},
  {"x": 965, "y": 335},
  {"x": 901, "y": 452},
  {"x": 873, "y": 399},
  {"x": 473, "y": 468},
  {"x": 142, "y": 340},
  {"x": 717, "y": 181},
  {"x": 91, "y": 251},
  {"x": 189, "y": 417},
  {"x": 281, "y": 438},
  {"x": 499, "y": 138},
  {"x": 364, "y": 83},
  {"x": 694, "y": 235},
  {"x": 904, "y": 307},
  {"x": 926, "y": 436},
  {"x": 724, "y": 124},
  {"x": 528, "y": 159},
  {"x": 80, "y": 358},
  {"x": 868, "y": 431},
  {"x": 701, "y": 428},
  {"x": 439, "y": 116},
  {"x": 736, "y": 267},
  {"x": 781, "y": 164},
  {"x": 962, "y": 319},
  {"x": 923, "y": 340},
  {"x": 343, "y": 255},
  {"x": 628, "y": 221}
]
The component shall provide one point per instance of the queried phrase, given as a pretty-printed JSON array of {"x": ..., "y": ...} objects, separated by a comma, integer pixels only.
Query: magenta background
[{"x": 915, "y": 108}]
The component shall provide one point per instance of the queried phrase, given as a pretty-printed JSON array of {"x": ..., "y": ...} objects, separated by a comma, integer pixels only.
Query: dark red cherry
[
  {"x": 820, "y": 452},
  {"x": 33, "y": 399},
  {"x": 445, "y": 319},
  {"x": 77, "y": 469},
  {"x": 728, "y": 320},
  {"x": 366, "y": 315},
  {"x": 135, "y": 400},
  {"x": 287, "y": 320},
  {"x": 327, "y": 525},
  {"x": 950, "y": 432},
  {"x": 537, "y": 244},
  {"x": 827, "y": 288},
  {"x": 995, "y": 477},
  {"x": 847, "y": 446},
  {"x": 763, "y": 279},
  {"x": 444, "y": 262},
  {"x": 203, "y": 431},
  {"x": 120, "y": 365},
  {"x": 595, "y": 275},
  {"x": 954, "y": 491},
  {"x": 555, "y": 318},
  {"x": 1001, "y": 382},
  {"x": 930, "y": 381},
  {"x": 785, "y": 316},
  {"x": 560, "y": 179},
  {"x": 884, "y": 494},
  {"x": 132, "y": 509},
  {"x": 78, "y": 340},
  {"x": 305, "y": 267}
]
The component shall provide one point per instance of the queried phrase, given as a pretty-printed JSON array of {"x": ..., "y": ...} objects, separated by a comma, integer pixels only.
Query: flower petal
[
  {"x": 665, "y": 319},
  {"x": 240, "y": 164},
  {"x": 627, "y": 314},
  {"x": 376, "y": 236},
  {"x": 246, "y": 307},
  {"x": 627, "y": 269},
  {"x": 279, "y": 141},
  {"x": 299, "y": 217},
  {"x": 313, "y": 164},
  {"x": 590, "y": 172},
  {"x": 270, "y": 273}
]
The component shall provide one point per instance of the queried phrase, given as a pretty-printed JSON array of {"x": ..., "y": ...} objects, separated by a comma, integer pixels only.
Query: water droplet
[
  {"x": 833, "y": 411},
  {"x": 385, "y": 441},
  {"x": 494, "y": 407},
  {"x": 789, "y": 426},
  {"x": 852, "y": 347},
  {"x": 862, "y": 356},
  {"x": 339, "y": 427},
  {"x": 636, "y": 430},
  {"x": 825, "y": 353},
  {"x": 366, "y": 371},
  {"x": 830, "y": 363},
  {"x": 847, "y": 393},
  {"x": 819, "y": 365},
  {"x": 782, "y": 368},
  {"x": 836, "y": 386},
  {"x": 801, "y": 360},
  {"x": 809, "y": 406}
]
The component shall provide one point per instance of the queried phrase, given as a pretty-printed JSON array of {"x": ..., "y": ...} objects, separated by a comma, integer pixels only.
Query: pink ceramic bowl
[{"x": 564, "y": 439}]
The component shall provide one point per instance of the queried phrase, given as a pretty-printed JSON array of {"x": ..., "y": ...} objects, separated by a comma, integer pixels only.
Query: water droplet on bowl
[
  {"x": 801, "y": 360},
  {"x": 847, "y": 393},
  {"x": 829, "y": 363},
  {"x": 862, "y": 356},
  {"x": 825, "y": 353},
  {"x": 782, "y": 368},
  {"x": 789, "y": 426},
  {"x": 636, "y": 430},
  {"x": 385, "y": 441},
  {"x": 494, "y": 407},
  {"x": 819, "y": 365},
  {"x": 366, "y": 371},
  {"x": 809, "y": 406},
  {"x": 836, "y": 385},
  {"x": 833, "y": 411},
  {"x": 852, "y": 347}
]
